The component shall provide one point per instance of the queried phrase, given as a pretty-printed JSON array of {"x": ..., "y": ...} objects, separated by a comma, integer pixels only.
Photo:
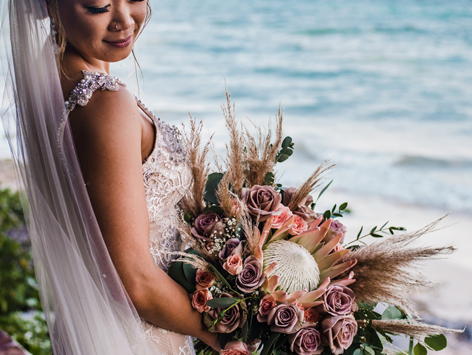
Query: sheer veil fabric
[{"x": 86, "y": 306}]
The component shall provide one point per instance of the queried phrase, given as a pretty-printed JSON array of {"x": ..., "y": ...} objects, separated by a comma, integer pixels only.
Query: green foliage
[
  {"x": 18, "y": 291},
  {"x": 285, "y": 151},
  {"x": 392, "y": 312},
  {"x": 31, "y": 333},
  {"x": 420, "y": 349},
  {"x": 16, "y": 269},
  {"x": 211, "y": 187},
  {"x": 184, "y": 274},
  {"x": 335, "y": 213},
  {"x": 436, "y": 342}
]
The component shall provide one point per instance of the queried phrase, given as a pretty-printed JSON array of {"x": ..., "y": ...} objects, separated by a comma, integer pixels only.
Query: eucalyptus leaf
[
  {"x": 286, "y": 142},
  {"x": 373, "y": 230},
  {"x": 376, "y": 235},
  {"x": 419, "y": 350},
  {"x": 343, "y": 206},
  {"x": 323, "y": 190},
  {"x": 327, "y": 214},
  {"x": 358, "y": 352},
  {"x": 212, "y": 186},
  {"x": 384, "y": 225},
  {"x": 436, "y": 342},
  {"x": 392, "y": 312},
  {"x": 359, "y": 234},
  {"x": 335, "y": 214}
]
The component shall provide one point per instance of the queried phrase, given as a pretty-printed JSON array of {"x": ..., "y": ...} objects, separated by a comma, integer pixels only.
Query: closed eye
[{"x": 97, "y": 10}]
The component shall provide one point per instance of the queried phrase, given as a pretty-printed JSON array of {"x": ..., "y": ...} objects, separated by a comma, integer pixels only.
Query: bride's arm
[{"x": 107, "y": 133}]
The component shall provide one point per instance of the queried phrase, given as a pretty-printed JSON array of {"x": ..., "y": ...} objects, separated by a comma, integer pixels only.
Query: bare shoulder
[
  {"x": 109, "y": 111},
  {"x": 107, "y": 133}
]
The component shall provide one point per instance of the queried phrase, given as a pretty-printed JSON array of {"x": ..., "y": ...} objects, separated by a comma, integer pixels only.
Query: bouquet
[{"x": 271, "y": 274}]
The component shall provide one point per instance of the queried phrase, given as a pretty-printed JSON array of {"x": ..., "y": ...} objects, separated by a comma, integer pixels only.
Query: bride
[{"x": 103, "y": 178}]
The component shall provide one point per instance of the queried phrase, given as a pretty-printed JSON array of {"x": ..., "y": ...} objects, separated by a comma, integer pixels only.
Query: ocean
[{"x": 383, "y": 88}]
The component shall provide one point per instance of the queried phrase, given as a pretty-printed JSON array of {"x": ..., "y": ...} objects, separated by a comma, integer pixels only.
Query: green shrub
[{"x": 20, "y": 310}]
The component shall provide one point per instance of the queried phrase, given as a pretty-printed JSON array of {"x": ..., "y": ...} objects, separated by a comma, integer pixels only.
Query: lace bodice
[{"x": 166, "y": 177}]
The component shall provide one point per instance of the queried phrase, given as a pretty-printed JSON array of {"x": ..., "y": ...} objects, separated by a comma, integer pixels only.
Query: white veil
[{"x": 86, "y": 306}]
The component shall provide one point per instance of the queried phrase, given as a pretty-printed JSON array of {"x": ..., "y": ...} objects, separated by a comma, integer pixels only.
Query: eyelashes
[
  {"x": 97, "y": 10},
  {"x": 101, "y": 10}
]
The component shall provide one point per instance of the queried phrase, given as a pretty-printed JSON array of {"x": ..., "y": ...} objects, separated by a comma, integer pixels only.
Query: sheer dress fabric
[{"x": 166, "y": 177}]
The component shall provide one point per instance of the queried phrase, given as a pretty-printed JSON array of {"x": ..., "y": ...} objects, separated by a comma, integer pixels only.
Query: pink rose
[
  {"x": 199, "y": 300},
  {"x": 307, "y": 341},
  {"x": 234, "y": 264},
  {"x": 339, "y": 332},
  {"x": 279, "y": 220},
  {"x": 267, "y": 303},
  {"x": 299, "y": 225},
  {"x": 205, "y": 279},
  {"x": 285, "y": 318},
  {"x": 235, "y": 348}
]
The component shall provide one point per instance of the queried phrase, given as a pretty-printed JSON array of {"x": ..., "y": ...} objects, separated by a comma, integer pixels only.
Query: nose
[{"x": 122, "y": 19}]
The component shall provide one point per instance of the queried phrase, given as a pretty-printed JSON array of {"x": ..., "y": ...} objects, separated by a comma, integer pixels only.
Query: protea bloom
[{"x": 304, "y": 262}]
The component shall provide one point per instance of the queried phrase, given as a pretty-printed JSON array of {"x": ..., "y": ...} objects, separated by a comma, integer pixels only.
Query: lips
[{"x": 121, "y": 43}]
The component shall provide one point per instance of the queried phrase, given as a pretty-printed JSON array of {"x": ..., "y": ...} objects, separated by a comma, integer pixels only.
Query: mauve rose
[
  {"x": 285, "y": 318},
  {"x": 267, "y": 303},
  {"x": 205, "y": 225},
  {"x": 312, "y": 315},
  {"x": 234, "y": 264},
  {"x": 236, "y": 348},
  {"x": 337, "y": 300},
  {"x": 261, "y": 201},
  {"x": 230, "y": 245},
  {"x": 252, "y": 276},
  {"x": 307, "y": 341},
  {"x": 299, "y": 226},
  {"x": 306, "y": 213},
  {"x": 199, "y": 299},
  {"x": 335, "y": 228},
  {"x": 234, "y": 317},
  {"x": 283, "y": 217},
  {"x": 204, "y": 279},
  {"x": 290, "y": 192},
  {"x": 339, "y": 332}
]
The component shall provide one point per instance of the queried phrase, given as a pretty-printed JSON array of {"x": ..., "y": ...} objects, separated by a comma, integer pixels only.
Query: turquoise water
[{"x": 383, "y": 88}]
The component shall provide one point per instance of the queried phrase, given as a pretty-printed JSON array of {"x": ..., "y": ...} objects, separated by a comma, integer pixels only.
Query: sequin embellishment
[
  {"x": 171, "y": 135},
  {"x": 88, "y": 85}
]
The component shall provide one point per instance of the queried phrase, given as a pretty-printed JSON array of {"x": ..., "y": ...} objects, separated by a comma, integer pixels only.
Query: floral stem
[{"x": 410, "y": 348}]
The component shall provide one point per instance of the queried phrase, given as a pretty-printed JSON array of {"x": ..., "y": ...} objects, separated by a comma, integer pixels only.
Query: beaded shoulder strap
[
  {"x": 82, "y": 93},
  {"x": 90, "y": 83}
]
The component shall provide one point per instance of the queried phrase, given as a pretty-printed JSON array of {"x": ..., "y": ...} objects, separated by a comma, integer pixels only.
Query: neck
[{"x": 75, "y": 61}]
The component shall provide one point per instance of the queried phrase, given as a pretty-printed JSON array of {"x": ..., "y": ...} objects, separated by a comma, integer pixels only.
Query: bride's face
[{"x": 103, "y": 30}]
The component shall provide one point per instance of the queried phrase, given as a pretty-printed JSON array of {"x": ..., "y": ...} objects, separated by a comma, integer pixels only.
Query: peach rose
[
  {"x": 267, "y": 303},
  {"x": 283, "y": 217},
  {"x": 299, "y": 225},
  {"x": 235, "y": 348},
  {"x": 234, "y": 264},
  {"x": 204, "y": 279},
  {"x": 200, "y": 298}
]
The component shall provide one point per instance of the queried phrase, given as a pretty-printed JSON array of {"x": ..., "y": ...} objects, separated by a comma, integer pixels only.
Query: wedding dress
[{"x": 166, "y": 177}]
